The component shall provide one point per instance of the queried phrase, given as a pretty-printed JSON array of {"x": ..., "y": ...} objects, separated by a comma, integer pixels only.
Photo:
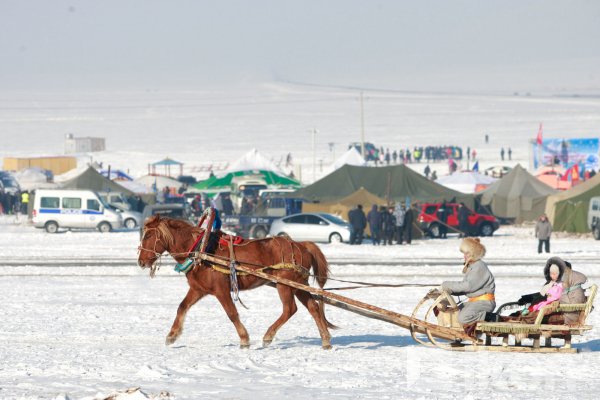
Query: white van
[
  {"x": 594, "y": 217},
  {"x": 53, "y": 209}
]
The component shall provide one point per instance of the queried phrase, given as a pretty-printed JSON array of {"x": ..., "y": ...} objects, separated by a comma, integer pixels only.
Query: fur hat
[{"x": 472, "y": 248}]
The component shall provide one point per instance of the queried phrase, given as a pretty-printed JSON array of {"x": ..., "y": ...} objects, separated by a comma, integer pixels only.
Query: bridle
[{"x": 158, "y": 262}]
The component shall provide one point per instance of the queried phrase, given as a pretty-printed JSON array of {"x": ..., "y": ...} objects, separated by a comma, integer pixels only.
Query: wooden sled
[{"x": 445, "y": 331}]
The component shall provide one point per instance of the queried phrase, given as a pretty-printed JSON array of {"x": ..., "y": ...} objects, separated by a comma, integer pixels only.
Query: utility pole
[
  {"x": 362, "y": 127},
  {"x": 314, "y": 146}
]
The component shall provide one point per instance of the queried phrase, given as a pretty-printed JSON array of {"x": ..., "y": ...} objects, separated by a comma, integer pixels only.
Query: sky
[{"x": 461, "y": 45}]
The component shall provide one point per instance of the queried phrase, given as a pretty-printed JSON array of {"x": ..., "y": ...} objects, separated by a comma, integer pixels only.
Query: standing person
[
  {"x": 474, "y": 154},
  {"x": 463, "y": 220},
  {"x": 374, "y": 219},
  {"x": 502, "y": 153},
  {"x": 543, "y": 231},
  {"x": 442, "y": 216},
  {"x": 478, "y": 285},
  {"x": 24, "y": 202},
  {"x": 359, "y": 223},
  {"x": 395, "y": 156},
  {"x": 387, "y": 156},
  {"x": 427, "y": 171},
  {"x": 399, "y": 213},
  {"x": 487, "y": 138},
  {"x": 388, "y": 225},
  {"x": 408, "y": 222},
  {"x": 509, "y": 154},
  {"x": 469, "y": 153}
]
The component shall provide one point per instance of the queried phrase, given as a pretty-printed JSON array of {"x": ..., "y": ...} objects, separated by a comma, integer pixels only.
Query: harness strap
[{"x": 570, "y": 289}]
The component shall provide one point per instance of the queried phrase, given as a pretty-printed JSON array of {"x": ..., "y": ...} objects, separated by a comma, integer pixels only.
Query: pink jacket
[{"x": 553, "y": 295}]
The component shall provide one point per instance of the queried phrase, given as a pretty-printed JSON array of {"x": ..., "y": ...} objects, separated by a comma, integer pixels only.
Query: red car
[{"x": 478, "y": 224}]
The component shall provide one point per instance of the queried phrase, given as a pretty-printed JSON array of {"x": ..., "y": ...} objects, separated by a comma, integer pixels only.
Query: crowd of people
[
  {"x": 386, "y": 224},
  {"x": 13, "y": 203},
  {"x": 417, "y": 154}
]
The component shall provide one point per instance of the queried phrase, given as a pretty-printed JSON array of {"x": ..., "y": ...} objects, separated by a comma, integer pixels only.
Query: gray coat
[
  {"x": 543, "y": 230},
  {"x": 573, "y": 293},
  {"x": 478, "y": 280}
]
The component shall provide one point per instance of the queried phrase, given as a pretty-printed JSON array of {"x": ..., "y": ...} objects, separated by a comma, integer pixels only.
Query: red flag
[{"x": 539, "y": 135}]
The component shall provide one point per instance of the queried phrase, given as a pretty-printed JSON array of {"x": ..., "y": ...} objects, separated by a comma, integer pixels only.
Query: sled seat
[{"x": 522, "y": 330}]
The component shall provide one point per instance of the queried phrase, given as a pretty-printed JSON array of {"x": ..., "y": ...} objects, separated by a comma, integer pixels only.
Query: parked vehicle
[
  {"x": 594, "y": 217},
  {"x": 131, "y": 219},
  {"x": 171, "y": 210},
  {"x": 82, "y": 209},
  {"x": 116, "y": 199},
  {"x": 9, "y": 183},
  {"x": 258, "y": 224},
  {"x": 478, "y": 224},
  {"x": 316, "y": 227}
]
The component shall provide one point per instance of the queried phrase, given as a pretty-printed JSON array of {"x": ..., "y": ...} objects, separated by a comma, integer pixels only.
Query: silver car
[
  {"x": 316, "y": 227},
  {"x": 131, "y": 219}
]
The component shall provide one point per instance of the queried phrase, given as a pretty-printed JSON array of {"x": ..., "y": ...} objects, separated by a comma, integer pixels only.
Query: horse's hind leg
[
  {"x": 189, "y": 300},
  {"x": 286, "y": 294},
  {"x": 232, "y": 313},
  {"x": 313, "y": 308}
]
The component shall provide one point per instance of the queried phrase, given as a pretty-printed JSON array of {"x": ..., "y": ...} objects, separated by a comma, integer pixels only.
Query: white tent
[
  {"x": 351, "y": 157},
  {"x": 466, "y": 182},
  {"x": 254, "y": 161},
  {"x": 158, "y": 181}
]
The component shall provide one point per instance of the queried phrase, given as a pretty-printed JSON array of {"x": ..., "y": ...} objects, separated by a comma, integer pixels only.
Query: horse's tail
[{"x": 320, "y": 268}]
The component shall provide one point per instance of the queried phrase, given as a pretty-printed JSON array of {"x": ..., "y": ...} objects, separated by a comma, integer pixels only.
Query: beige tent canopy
[
  {"x": 342, "y": 206},
  {"x": 518, "y": 195}
]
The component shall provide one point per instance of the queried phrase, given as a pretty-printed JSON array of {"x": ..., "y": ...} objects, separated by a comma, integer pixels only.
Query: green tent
[
  {"x": 517, "y": 195},
  {"x": 568, "y": 210},
  {"x": 394, "y": 183},
  {"x": 271, "y": 178}
]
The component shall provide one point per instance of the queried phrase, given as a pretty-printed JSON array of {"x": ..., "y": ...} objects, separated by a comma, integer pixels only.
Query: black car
[{"x": 171, "y": 210}]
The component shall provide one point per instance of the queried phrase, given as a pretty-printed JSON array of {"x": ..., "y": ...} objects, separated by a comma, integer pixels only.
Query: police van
[{"x": 81, "y": 209}]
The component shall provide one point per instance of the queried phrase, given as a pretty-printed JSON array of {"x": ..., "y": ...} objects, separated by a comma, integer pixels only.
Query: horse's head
[{"x": 156, "y": 239}]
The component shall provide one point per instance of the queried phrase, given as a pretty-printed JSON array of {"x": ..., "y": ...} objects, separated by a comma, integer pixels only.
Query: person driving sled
[{"x": 478, "y": 285}]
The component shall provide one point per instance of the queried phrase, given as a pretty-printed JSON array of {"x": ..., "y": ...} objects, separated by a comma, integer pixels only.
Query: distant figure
[
  {"x": 358, "y": 220},
  {"x": 487, "y": 138},
  {"x": 395, "y": 156},
  {"x": 434, "y": 176},
  {"x": 227, "y": 205},
  {"x": 408, "y": 222},
  {"x": 387, "y": 157},
  {"x": 502, "y": 153},
  {"x": 399, "y": 213},
  {"x": 211, "y": 175},
  {"x": 427, "y": 171},
  {"x": 543, "y": 231},
  {"x": 509, "y": 154},
  {"x": 474, "y": 154},
  {"x": 374, "y": 219},
  {"x": 442, "y": 216},
  {"x": 469, "y": 153}
]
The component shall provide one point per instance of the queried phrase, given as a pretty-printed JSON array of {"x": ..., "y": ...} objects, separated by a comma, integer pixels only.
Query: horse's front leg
[
  {"x": 286, "y": 294},
  {"x": 192, "y": 296},
  {"x": 232, "y": 312}
]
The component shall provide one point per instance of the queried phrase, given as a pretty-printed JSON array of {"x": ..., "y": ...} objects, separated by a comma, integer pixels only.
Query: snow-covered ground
[
  {"x": 96, "y": 325},
  {"x": 79, "y": 319},
  {"x": 204, "y": 128}
]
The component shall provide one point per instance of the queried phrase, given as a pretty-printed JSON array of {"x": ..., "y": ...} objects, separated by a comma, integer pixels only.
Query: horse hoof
[
  {"x": 267, "y": 343},
  {"x": 170, "y": 340},
  {"x": 244, "y": 346},
  {"x": 327, "y": 347}
]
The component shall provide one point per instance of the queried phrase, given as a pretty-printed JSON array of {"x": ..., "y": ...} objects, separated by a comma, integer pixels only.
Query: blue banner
[{"x": 568, "y": 152}]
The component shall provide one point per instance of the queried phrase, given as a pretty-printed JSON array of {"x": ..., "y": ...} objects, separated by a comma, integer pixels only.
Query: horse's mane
[{"x": 166, "y": 225}]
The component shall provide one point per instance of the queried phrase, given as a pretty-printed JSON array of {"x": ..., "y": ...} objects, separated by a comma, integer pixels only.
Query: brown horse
[{"x": 176, "y": 237}]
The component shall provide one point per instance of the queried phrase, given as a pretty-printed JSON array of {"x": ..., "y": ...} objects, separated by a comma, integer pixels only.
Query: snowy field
[
  {"x": 82, "y": 321},
  {"x": 216, "y": 127}
]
